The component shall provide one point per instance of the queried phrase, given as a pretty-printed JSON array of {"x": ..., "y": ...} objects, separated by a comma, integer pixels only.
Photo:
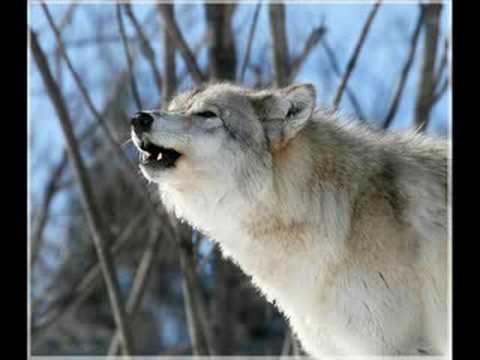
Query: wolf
[{"x": 343, "y": 226}]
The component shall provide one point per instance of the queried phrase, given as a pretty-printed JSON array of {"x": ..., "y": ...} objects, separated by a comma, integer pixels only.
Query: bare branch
[
  {"x": 100, "y": 39},
  {"x": 312, "y": 41},
  {"x": 281, "y": 56},
  {"x": 139, "y": 285},
  {"x": 171, "y": 26},
  {"x": 444, "y": 62},
  {"x": 67, "y": 18},
  {"x": 42, "y": 217},
  {"x": 426, "y": 84},
  {"x": 133, "y": 83},
  {"x": 250, "y": 40},
  {"x": 184, "y": 75},
  {"x": 356, "y": 53},
  {"x": 336, "y": 69},
  {"x": 194, "y": 306},
  {"x": 62, "y": 163},
  {"x": 147, "y": 49},
  {"x": 405, "y": 71},
  {"x": 170, "y": 80},
  {"x": 54, "y": 184},
  {"x": 76, "y": 76},
  {"x": 100, "y": 119},
  {"x": 100, "y": 233},
  {"x": 111, "y": 141},
  {"x": 86, "y": 285},
  {"x": 442, "y": 89}
]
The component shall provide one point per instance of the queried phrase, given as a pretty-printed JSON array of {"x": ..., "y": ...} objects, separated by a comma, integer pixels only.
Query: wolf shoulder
[{"x": 406, "y": 172}]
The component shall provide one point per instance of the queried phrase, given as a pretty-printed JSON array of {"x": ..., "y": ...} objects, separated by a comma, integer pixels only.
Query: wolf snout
[{"x": 142, "y": 122}]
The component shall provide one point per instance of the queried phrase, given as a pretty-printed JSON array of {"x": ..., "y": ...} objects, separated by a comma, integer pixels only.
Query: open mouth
[{"x": 154, "y": 155}]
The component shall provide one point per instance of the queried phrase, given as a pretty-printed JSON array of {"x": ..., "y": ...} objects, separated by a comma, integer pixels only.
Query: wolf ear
[{"x": 286, "y": 111}]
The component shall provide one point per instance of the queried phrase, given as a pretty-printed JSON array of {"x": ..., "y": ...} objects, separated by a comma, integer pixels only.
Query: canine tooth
[{"x": 159, "y": 157}]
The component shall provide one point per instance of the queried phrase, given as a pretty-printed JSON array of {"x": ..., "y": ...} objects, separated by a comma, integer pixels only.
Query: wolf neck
[{"x": 302, "y": 215}]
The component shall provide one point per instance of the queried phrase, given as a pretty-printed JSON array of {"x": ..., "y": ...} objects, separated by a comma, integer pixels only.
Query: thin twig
[
  {"x": 312, "y": 41},
  {"x": 112, "y": 142},
  {"x": 100, "y": 39},
  {"x": 356, "y": 53},
  {"x": 147, "y": 49},
  {"x": 170, "y": 79},
  {"x": 194, "y": 306},
  {"x": 139, "y": 285},
  {"x": 405, "y": 71},
  {"x": 95, "y": 41},
  {"x": 442, "y": 89},
  {"x": 133, "y": 83},
  {"x": 76, "y": 76},
  {"x": 87, "y": 284},
  {"x": 336, "y": 69},
  {"x": 132, "y": 174},
  {"x": 184, "y": 75},
  {"x": 100, "y": 233},
  {"x": 280, "y": 54},
  {"x": 444, "y": 62},
  {"x": 54, "y": 184},
  {"x": 172, "y": 27},
  {"x": 67, "y": 18},
  {"x": 251, "y": 34},
  {"x": 43, "y": 215},
  {"x": 426, "y": 83}
]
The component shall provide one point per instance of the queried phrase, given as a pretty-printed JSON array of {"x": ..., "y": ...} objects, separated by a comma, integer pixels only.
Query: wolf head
[{"x": 222, "y": 135}]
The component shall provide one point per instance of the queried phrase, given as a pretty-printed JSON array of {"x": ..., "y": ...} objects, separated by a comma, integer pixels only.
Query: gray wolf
[{"x": 344, "y": 227}]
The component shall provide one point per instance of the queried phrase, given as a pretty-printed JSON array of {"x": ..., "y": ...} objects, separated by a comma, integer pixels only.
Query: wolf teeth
[{"x": 159, "y": 157}]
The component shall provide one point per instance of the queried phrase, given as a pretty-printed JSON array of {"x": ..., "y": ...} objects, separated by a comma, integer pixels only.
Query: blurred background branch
[
  {"x": 176, "y": 36},
  {"x": 355, "y": 55},
  {"x": 405, "y": 71},
  {"x": 128, "y": 56},
  {"x": 281, "y": 57},
  {"x": 100, "y": 232},
  {"x": 427, "y": 85}
]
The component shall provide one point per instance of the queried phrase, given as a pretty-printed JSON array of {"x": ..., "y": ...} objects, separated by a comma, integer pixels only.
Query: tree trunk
[
  {"x": 281, "y": 58},
  {"x": 222, "y": 56}
]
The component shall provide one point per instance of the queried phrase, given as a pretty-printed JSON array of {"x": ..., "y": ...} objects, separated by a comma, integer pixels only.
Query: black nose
[{"x": 142, "y": 121}]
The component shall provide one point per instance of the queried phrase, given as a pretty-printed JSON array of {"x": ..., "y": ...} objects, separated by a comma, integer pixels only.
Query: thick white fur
[{"x": 354, "y": 275}]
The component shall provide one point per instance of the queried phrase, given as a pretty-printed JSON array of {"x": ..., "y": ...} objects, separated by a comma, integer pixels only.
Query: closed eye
[{"x": 206, "y": 114}]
